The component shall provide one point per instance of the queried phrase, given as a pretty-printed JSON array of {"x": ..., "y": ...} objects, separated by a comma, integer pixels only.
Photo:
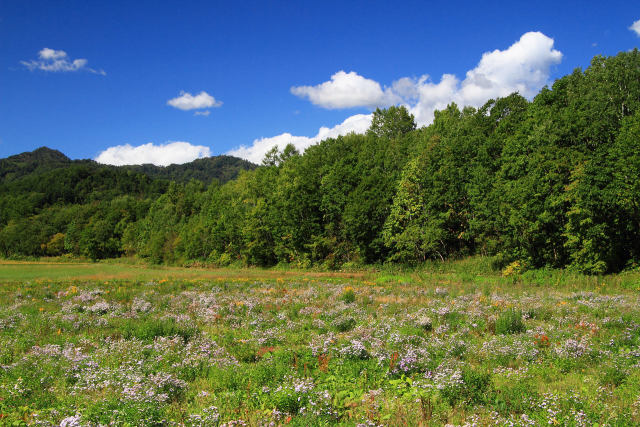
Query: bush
[
  {"x": 477, "y": 384},
  {"x": 613, "y": 375},
  {"x": 510, "y": 322},
  {"x": 344, "y": 323},
  {"x": 474, "y": 388},
  {"x": 148, "y": 329},
  {"x": 348, "y": 296}
]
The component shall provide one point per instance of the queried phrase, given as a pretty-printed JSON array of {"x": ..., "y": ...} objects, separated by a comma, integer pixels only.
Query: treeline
[{"x": 552, "y": 182}]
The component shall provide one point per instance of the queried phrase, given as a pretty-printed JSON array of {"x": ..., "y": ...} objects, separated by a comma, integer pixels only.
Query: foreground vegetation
[
  {"x": 254, "y": 347},
  {"x": 552, "y": 182}
]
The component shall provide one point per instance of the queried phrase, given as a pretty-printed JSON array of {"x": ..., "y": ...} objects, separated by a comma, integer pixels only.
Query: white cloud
[
  {"x": 51, "y": 54},
  {"x": 186, "y": 101},
  {"x": 635, "y": 27},
  {"x": 346, "y": 90},
  {"x": 256, "y": 151},
  {"x": 58, "y": 61},
  {"x": 524, "y": 67},
  {"x": 161, "y": 154},
  {"x": 202, "y": 113}
]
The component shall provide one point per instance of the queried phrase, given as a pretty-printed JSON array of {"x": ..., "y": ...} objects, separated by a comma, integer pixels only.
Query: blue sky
[{"x": 271, "y": 72}]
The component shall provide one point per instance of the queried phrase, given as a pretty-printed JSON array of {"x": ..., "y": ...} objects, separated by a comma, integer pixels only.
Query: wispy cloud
[
  {"x": 161, "y": 155},
  {"x": 58, "y": 61},
  {"x": 635, "y": 27}
]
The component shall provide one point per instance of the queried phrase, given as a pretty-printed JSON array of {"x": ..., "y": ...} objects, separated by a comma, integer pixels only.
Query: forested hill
[
  {"x": 41, "y": 160},
  {"x": 44, "y": 159},
  {"x": 45, "y": 198},
  {"x": 220, "y": 168},
  {"x": 554, "y": 182}
]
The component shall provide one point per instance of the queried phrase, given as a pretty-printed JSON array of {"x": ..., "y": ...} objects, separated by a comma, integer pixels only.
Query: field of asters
[{"x": 318, "y": 351}]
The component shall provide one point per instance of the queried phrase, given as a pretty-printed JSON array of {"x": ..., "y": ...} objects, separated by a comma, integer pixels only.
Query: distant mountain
[
  {"x": 222, "y": 168},
  {"x": 44, "y": 159},
  {"x": 38, "y": 161}
]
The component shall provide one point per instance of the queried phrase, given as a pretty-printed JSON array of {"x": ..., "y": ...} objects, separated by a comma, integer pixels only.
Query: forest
[{"x": 552, "y": 182}]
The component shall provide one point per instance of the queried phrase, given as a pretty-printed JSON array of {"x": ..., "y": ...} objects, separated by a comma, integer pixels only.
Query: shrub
[
  {"x": 613, "y": 375},
  {"x": 344, "y": 323},
  {"x": 470, "y": 386},
  {"x": 510, "y": 322},
  {"x": 476, "y": 385},
  {"x": 148, "y": 329},
  {"x": 514, "y": 269},
  {"x": 348, "y": 296}
]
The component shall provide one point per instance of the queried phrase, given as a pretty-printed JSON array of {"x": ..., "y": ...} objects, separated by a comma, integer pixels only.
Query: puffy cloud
[
  {"x": 51, "y": 54},
  {"x": 58, "y": 61},
  {"x": 346, "y": 90},
  {"x": 160, "y": 155},
  {"x": 186, "y": 101},
  {"x": 524, "y": 67},
  {"x": 256, "y": 151},
  {"x": 635, "y": 27}
]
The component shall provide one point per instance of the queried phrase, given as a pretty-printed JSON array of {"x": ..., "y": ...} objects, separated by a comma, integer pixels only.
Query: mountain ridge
[{"x": 44, "y": 159}]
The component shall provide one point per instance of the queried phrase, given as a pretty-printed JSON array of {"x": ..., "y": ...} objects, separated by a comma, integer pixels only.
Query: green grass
[
  {"x": 472, "y": 272},
  {"x": 446, "y": 343},
  {"x": 18, "y": 271}
]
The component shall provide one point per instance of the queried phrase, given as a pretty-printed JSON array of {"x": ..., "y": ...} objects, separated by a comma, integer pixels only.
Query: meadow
[{"x": 452, "y": 343}]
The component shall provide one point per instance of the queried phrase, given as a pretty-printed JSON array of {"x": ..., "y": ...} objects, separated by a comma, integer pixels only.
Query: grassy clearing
[
  {"x": 452, "y": 343},
  {"x": 17, "y": 271},
  {"x": 472, "y": 272}
]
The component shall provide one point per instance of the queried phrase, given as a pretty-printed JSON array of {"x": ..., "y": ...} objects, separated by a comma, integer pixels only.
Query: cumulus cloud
[
  {"x": 58, "y": 61},
  {"x": 523, "y": 67},
  {"x": 635, "y": 27},
  {"x": 358, "y": 123},
  {"x": 186, "y": 101},
  {"x": 346, "y": 90},
  {"x": 161, "y": 155}
]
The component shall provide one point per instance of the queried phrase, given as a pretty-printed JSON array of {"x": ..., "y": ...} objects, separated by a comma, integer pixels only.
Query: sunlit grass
[{"x": 449, "y": 343}]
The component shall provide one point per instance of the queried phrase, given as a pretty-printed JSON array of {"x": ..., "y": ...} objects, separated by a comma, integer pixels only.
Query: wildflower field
[{"x": 252, "y": 348}]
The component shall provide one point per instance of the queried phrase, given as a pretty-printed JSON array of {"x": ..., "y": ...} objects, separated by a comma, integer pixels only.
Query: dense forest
[{"x": 550, "y": 182}]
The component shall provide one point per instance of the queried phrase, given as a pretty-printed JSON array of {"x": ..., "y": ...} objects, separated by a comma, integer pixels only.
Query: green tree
[{"x": 392, "y": 122}]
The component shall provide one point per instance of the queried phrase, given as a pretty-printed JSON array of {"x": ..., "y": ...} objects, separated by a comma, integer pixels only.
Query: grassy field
[
  {"x": 454, "y": 343},
  {"x": 18, "y": 271}
]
